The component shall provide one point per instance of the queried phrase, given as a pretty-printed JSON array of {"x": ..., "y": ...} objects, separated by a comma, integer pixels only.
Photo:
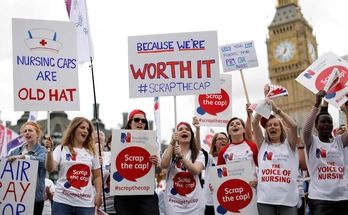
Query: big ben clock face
[
  {"x": 311, "y": 51},
  {"x": 284, "y": 51}
]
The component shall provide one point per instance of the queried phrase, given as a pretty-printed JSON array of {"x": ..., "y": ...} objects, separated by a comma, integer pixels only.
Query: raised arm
[
  {"x": 309, "y": 122},
  {"x": 195, "y": 123},
  {"x": 259, "y": 138},
  {"x": 248, "y": 127},
  {"x": 292, "y": 125}
]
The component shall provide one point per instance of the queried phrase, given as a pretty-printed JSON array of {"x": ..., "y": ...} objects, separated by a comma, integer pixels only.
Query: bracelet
[
  {"x": 278, "y": 111},
  {"x": 171, "y": 143},
  {"x": 179, "y": 158},
  {"x": 300, "y": 147}
]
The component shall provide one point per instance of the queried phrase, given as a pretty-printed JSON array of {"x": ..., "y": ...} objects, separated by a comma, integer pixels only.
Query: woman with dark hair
[
  {"x": 78, "y": 165},
  {"x": 184, "y": 162},
  {"x": 326, "y": 162},
  {"x": 32, "y": 150},
  {"x": 240, "y": 148},
  {"x": 139, "y": 204},
  {"x": 278, "y": 160}
]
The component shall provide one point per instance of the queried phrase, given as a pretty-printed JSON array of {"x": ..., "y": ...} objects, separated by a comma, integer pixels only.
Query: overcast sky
[{"x": 111, "y": 23}]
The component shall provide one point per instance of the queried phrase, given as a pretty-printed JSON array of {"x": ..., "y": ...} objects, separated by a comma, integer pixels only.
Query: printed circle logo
[
  {"x": 132, "y": 163},
  {"x": 213, "y": 103},
  {"x": 233, "y": 195},
  {"x": 78, "y": 176},
  {"x": 184, "y": 183},
  {"x": 324, "y": 76}
]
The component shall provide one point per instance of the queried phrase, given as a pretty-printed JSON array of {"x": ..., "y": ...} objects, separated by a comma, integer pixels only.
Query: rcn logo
[
  {"x": 309, "y": 74},
  {"x": 267, "y": 155},
  {"x": 126, "y": 137},
  {"x": 222, "y": 172},
  {"x": 320, "y": 153}
]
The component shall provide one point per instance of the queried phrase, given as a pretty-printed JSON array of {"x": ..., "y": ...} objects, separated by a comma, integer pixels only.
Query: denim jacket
[{"x": 37, "y": 153}]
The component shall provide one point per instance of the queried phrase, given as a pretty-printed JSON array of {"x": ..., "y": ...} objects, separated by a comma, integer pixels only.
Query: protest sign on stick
[{"x": 239, "y": 56}]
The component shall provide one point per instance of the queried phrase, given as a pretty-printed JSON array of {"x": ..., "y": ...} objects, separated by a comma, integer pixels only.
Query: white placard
[
  {"x": 316, "y": 76},
  {"x": 238, "y": 56},
  {"x": 232, "y": 193},
  {"x": 173, "y": 64},
  {"x": 215, "y": 109},
  {"x": 132, "y": 173},
  {"x": 18, "y": 186},
  {"x": 45, "y": 69}
]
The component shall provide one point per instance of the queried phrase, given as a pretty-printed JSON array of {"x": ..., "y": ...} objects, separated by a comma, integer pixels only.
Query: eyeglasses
[
  {"x": 222, "y": 139},
  {"x": 143, "y": 120}
]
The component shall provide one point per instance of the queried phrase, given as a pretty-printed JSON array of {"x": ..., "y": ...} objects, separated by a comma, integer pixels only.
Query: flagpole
[{"x": 97, "y": 121}]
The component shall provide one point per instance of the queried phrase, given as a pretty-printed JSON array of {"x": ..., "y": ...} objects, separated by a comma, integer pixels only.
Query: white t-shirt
[
  {"x": 183, "y": 193},
  {"x": 327, "y": 168},
  {"x": 277, "y": 176},
  {"x": 74, "y": 184},
  {"x": 47, "y": 209}
]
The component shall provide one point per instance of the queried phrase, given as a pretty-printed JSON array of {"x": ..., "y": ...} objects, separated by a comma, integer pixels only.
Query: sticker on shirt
[
  {"x": 184, "y": 183},
  {"x": 132, "y": 163},
  {"x": 78, "y": 176}
]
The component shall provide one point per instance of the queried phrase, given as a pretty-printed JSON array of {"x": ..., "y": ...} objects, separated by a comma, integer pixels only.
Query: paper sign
[
  {"x": 17, "y": 186},
  {"x": 232, "y": 193},
  {"x": 316, "y": 76},
  {"x": 238, "y": 56},
  {"x": 132, "y": 173},
  {"x": 173, "y": 64},
  {"x": 45, "y": 69},
  {"x": 215, "y": 109},
  {"x": 262, "y": 107}
]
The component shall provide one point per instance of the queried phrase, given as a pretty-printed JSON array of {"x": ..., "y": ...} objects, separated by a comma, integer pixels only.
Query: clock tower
[{"x": 291, "y": 48}]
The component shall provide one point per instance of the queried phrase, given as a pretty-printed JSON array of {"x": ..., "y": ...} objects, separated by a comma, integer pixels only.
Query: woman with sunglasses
[
  {"x": 240, "y": 147},
  {"x": 32, "y": 150},
  {"x": 139, "y": 204}
]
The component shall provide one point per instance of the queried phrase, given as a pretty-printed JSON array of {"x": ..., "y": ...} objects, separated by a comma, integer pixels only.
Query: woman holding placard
[
  {"x": 32, "y": 150},
  {"x": 184, "y": 162},
  {"x": 78, "y": 165},
  {"x": 139, "y": 204},
  {"x": 278, "y": 160}
]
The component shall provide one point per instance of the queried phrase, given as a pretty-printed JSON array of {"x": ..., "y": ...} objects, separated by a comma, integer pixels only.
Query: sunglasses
[{"x": 143, "y": 120}]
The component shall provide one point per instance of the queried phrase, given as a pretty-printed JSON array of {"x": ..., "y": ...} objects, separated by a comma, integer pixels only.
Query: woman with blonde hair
[
  {"x": 78, "y": 165},
  {"x": 278, "y": 164},
  {"x": 32, "y": 150}
]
